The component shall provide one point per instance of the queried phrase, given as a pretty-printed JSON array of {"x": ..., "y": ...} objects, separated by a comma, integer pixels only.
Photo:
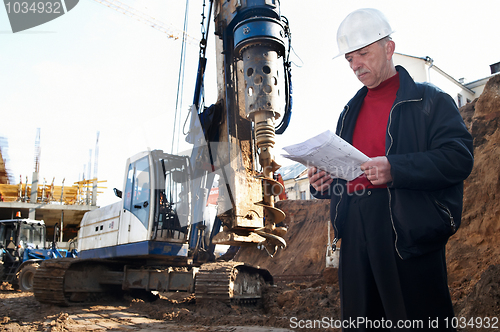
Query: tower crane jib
[{"x": 169, "y": 30}]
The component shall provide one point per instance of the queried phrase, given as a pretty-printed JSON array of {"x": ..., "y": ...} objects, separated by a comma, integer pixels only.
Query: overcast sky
[{"x": 94, "y": 69}]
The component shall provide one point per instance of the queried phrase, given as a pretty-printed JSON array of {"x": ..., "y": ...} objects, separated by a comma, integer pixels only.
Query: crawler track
[
  {"x": 213, "y": 282},
  {"x": 48, "y": 283},
  {"x": 70, "y": 281},
  {"x": 230, "y": 282}
]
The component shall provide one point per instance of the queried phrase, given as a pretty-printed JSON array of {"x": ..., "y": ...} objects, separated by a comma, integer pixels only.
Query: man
[{"x": 396, "y": 218}]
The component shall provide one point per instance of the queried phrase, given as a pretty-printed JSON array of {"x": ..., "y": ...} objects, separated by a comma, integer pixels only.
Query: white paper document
[{"x": 328, "y": 152}]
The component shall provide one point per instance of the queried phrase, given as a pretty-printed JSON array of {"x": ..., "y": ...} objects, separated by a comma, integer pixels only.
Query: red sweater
[{"x": 371, "y": 126}]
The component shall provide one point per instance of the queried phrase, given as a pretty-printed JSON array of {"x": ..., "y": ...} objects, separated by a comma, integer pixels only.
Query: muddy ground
[
  {"x": 172, "y": 312},
  {"x": 304, "y": 289}
]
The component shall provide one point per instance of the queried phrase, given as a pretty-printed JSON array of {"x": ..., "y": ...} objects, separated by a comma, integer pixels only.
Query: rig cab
[{"x": 153, "y": 220}]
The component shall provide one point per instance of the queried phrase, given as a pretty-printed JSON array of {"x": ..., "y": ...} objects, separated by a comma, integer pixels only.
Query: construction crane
[
  {"x": 94, "y": 182},
  {"x": 170, "y": 31},
  {"x": 34, "y": 180},
  {"x": 38, "y": 151}
]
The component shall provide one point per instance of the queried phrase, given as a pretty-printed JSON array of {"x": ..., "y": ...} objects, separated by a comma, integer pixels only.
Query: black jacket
[{"x": 430, "y": 152}]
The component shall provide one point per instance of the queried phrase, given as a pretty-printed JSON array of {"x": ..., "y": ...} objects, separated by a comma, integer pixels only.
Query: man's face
[{"x": 372, "y": 64}]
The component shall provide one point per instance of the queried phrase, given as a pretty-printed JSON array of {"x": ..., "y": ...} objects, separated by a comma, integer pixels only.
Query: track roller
[{"x": 230, "y": 282}]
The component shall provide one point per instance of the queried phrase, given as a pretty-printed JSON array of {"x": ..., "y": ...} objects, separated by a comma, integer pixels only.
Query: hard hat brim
[{"x": 362, "y": 46}]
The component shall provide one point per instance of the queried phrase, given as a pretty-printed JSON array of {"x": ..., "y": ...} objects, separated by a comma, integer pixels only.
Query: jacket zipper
[
  {"x": 452, "y": 220},
  {"x": 336, "y": 238},
  {"x": 387, "y": 153}
]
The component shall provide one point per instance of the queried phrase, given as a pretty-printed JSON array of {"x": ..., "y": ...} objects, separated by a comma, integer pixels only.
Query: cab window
[{"x": 137, "y": 190}]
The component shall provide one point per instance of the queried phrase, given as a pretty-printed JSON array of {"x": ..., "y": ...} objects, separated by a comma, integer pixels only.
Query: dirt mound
[
  {"x": 484, "y": 300},
  {"x": 474, "y": 252},
  {"x": 306, "y": 239},
  {"x": 281, "y": 303},
  {"x": 489, "y": 101}
]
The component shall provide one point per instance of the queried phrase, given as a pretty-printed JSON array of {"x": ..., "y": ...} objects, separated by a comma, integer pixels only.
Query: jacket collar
[{"x": 407, "y": 87}]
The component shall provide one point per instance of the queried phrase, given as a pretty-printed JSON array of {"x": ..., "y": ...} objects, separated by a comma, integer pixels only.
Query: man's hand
[
  {"x": 377, "y": 170},
  {"x": 319, "y": 180}
]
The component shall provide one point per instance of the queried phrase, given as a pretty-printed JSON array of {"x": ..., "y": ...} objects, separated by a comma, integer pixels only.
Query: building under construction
[{"x": 55, "y": 204}]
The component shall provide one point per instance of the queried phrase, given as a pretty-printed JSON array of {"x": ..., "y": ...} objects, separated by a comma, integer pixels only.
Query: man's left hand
[{"x": 377, "y": 170}]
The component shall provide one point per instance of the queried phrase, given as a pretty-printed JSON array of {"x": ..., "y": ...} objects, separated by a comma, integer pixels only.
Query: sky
[{"x": 96, "y": 70}]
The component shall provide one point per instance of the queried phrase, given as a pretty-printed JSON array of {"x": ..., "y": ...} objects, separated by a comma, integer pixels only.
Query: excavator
[{"x": 160, "y": 236}]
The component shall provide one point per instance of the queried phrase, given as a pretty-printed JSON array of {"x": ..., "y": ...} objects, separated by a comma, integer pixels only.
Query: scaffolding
[{"x": 77, "y": 194}]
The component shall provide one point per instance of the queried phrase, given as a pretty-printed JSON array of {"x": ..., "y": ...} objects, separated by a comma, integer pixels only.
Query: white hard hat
[{"x": 360, "y": 28}]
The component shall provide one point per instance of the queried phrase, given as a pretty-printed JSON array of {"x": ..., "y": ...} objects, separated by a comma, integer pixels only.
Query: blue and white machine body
[{"x": 153, "y": 218}]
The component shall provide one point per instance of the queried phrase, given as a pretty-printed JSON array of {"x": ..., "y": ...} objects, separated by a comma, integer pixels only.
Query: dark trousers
[{"x": 378, "y": 289}]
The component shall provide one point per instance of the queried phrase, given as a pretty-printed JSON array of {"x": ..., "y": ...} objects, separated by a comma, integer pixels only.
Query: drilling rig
[
  {"x": 250, "y": 45},
  {"x": 158, "y": 237}
]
